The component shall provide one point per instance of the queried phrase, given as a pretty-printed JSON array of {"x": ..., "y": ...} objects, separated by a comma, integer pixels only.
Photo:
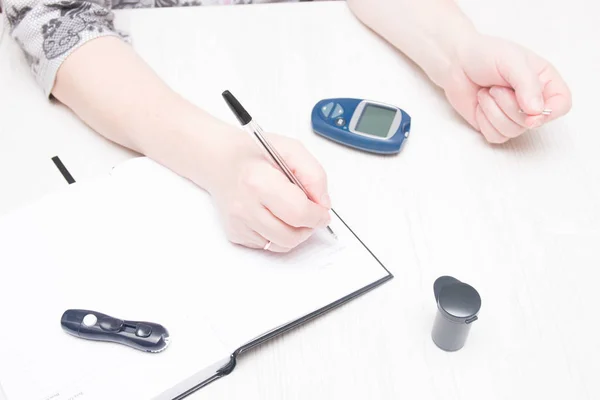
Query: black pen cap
[{"x": 235, "y": 106}]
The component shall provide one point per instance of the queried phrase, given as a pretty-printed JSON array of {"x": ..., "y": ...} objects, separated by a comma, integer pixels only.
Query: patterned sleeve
[{"x": 49, "y": 30}]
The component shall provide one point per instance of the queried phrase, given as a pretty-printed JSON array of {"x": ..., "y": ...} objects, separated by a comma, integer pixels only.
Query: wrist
[
  {"x": 209, "y": 147},
  {"x": 192, "y": 143},
  {"x": 429, "y": 32},
  {"x": 447, "y": 42}
]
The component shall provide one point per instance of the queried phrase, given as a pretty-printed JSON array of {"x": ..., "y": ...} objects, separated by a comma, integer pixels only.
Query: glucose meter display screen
[{"x": 376, "y": 120}]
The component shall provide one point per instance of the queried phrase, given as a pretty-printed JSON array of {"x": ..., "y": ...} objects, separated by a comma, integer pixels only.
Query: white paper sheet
[{"x": 145, "y": 244}]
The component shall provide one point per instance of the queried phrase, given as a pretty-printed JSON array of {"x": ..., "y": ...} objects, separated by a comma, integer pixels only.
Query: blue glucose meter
[{"x": 363, "y": 124}]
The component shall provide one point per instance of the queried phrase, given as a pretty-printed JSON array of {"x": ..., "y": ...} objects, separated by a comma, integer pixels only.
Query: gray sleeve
[{"x": 48, "y": 31}]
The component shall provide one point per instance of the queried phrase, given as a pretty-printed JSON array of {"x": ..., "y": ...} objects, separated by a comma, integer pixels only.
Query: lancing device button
[
  {"x": 90, "y": 320},
  {"x": 143, "y": 330}
]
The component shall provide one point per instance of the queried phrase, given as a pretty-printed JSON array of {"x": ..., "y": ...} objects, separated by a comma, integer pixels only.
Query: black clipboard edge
[
  {"x": 198, "y": 386},
  {"x": 308, "y": 317},
  {"x": 230, "y": 366}
]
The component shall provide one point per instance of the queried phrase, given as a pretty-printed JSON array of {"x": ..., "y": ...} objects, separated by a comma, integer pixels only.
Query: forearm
[
  {"x": 426, "y": 31},
  {"x": 118, "y": 95},
  {"x": 76, "y": 55}
]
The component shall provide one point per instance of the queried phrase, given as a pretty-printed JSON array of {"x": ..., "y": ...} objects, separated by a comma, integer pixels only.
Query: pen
[{"x": 256, "y": 131}]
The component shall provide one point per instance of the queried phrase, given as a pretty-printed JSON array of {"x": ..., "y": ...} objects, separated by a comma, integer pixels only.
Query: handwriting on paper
[{"x": 320, "y": 250}]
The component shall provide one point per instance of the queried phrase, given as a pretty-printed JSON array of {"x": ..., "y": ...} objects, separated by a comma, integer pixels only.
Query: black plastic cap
[
  {"x": 440, "y": 283},
  {"x": 458, "y": 301},
  {"x": 71, "y": 320},
  {"x": 235, "y": 106}
]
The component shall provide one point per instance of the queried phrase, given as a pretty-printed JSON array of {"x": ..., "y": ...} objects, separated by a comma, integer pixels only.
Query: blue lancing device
[{"x": 362, "y": 124}]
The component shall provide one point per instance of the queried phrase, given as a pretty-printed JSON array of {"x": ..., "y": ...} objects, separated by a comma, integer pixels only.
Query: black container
[{"x": 458, "y": 307}]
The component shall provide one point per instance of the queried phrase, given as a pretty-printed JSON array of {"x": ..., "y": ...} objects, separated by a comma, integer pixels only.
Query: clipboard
[{"x": 103, "y": 245}]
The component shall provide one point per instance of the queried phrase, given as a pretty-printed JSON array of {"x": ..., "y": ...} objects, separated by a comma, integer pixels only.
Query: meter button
[
  {"x": 326, "y": 109},
  {"x": 337, "y": 111},
  {"x": 340, "y": 122}
]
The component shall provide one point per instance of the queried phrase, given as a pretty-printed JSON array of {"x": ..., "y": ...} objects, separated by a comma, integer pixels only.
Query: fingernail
[
  {"x": 326, "y": 200},
  {"x": 494, "y": 91}
]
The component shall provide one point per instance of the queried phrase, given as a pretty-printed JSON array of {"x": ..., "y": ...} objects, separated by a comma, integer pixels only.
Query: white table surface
[{"x": 520, "y": 222}]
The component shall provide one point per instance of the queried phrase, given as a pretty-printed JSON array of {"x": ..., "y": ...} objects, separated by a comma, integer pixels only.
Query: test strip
[{"x": 546, "y": 111}]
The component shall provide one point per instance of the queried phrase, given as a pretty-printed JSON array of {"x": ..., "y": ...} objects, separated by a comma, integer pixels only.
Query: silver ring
[{"x": 267, "y": 245}]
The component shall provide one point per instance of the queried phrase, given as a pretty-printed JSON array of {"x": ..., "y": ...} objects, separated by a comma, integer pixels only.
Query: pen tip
[{"x": 332, "y": 233}]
